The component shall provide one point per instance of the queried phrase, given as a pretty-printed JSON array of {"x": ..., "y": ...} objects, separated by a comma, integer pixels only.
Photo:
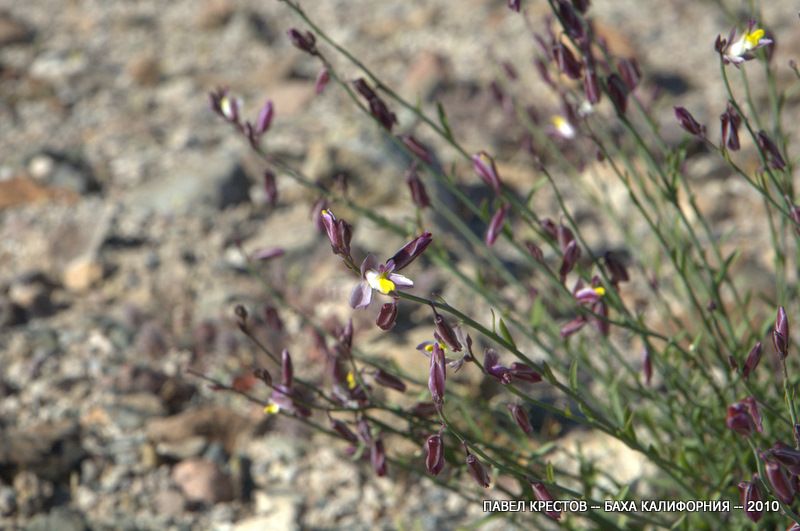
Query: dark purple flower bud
[
  {"x": 780, "y": 482},
  {"x": 387, "y": 316},
  {"x": 566, "y": 61},
  {"x": 268, "y": 254},
  {"x": 535, "y": 251},
  {"x": 364, "y": 89},
  {"x": 417, "y": 148},
  {"x": 270, "y": 187},
  {"x": 749, "y": 496},
  {"x": 486, "y": 169},
  {"x": 477, "y": 471},
  {"x": 571, "y": 20},
  {"x": 342, "y": 429},
  {"x": 491, "y": 363},
  {"x": 647, "y": 366},
  {"x": 573, "y": 326},
  {"x": 618, "y": 92},
  {"x": 520, "y": 371},
  {"x": 729, "y": 121},
  {"x": 389, "y": 380},
  {"x": 780, "y": 334},
  {"x": 688, "y": 122},
  {"x": 377, "y": 455},
  {"x": 752, "y": 360},
  {"x": 410, "y": 252},
  {"x": 752, "y": 409},
  {"x": 591, "y": 86},
  {"x": 571, "y": 255},
  {"x": 514, "y": 5},
  {"x": 364, "y": 431},
  {"x": 287, "y": 370},
  {"x": 739, "y": 419},
  {"x": 629, "y": 72},
  {"x": 770, "y": 151},
  {"x": 434, "y": 454},
  {"x": 564, "y": 236},
  {"x": 339, "y": 233},
  {"x": 263, "y": 375},
  {"x": 521, "y": 418},
  {"x": 616, "y": 268},
  {"x": 322, "y": 81},
  {"x": 303, "y": 40},
  {"x": 786, "y": 456},
  {"x": 446, "y": 332},
  {"x": 581, "y": 5},
  {"x": 424, "y": 409},
  {"x": 437, "y": 375},
  {"x": 264, "y": 118},
  {"x": 542, "y": 494},
  {"x": 380, "y": 111},
  {"x": 417, "y": 188},
  {"x": 496, "y": 224}
]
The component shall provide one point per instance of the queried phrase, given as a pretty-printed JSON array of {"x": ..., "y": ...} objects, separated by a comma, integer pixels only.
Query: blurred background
[{"x": 123, "y": 202}]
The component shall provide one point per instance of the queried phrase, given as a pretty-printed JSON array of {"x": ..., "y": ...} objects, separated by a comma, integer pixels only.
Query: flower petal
[
  {"x": 361, "y": 296},
  {"x": 400, "y": 281}
]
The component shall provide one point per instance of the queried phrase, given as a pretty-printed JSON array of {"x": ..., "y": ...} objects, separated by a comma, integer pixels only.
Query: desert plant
[{"x": 637, "y": 324}]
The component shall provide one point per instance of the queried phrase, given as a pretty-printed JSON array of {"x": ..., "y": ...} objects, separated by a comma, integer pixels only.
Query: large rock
[{"x": 203, "y": 481}]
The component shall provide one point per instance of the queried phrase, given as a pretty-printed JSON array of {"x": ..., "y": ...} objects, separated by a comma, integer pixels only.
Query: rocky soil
[{"x": 123, "y": 201}]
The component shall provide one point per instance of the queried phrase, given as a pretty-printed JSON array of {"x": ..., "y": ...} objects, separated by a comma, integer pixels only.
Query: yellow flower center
[
  {"x": 753, "y": 38},
  {"x": 272, "y": 409},
  {"x": 380, "y": 282},
  {"x": 351, "y": 380},
  {"x": 600, "y": 290},
  {"x": 429, "y": 348}
]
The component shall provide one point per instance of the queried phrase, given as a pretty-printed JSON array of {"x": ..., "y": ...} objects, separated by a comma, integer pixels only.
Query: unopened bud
[{"x": 434, "y": 454}]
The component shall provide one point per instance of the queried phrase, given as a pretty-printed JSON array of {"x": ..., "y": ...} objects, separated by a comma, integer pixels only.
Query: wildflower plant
[{"x": 657, "y": 344}]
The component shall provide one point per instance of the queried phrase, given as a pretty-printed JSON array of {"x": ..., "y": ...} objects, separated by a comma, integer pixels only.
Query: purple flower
[
  {"x": 434, "y": 454},
  {"x": 418, "y": 194},
  {"x": 572, "y": 254},
  {"x": 780, "y": 482},
  {"x": 496, "y": 224},
  {"x": 271, "y": 187},
  {"x": 339, "y": 232},
  {"x": 377, "y": 456},
  {"x": 437, "y": 375},
  {"x": 647, "y": 366},
  {"x": 770, "y": 151},
  {"x": 477, "y": 471},
  {"x": 566, "y": 61},
  {"x": 322, "y": 81},
  {"x": 387, "y": 316},
  {"x": 629, "y": 72},
  {"x": 287, "y": 369},
  {"x": 688, "y": 122},
  {"x": 618, "y": 92},
  {"x": 542, "y": 494},
  {"x": 268, "y": 254},
  {"x": 748, "y": 494},
  {"x": 303, "y": 40},
  {"x": 591, "y": 86},
  {"x": 486, "y": 169},
  {"x": 742, "y": 417},
  {"x": 264, "y": 118},
  {"x": 389, "y": 380},
  {"x": 342, "y": 429},
  {"x": 383, "y": 278},
  {"x": 514, "y": 5},
  {"x": 377, "y": 107},
  {"x": 729, "y": 124},
  {"x": 521, "y": 418},
  {"x": 753, "y": 358},
  {"x": 780, "y": 334},
  {"x": 417, "y": 148}
]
